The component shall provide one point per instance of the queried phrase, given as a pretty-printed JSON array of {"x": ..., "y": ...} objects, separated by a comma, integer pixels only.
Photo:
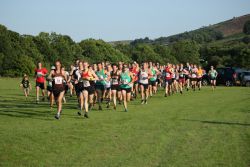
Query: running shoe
[
  {"x": 86, "y": 115},
  {"x": 57, "y": 116}
]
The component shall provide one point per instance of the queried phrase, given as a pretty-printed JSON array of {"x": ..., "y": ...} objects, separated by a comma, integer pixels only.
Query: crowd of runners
[{"x": 113, "y": 83}]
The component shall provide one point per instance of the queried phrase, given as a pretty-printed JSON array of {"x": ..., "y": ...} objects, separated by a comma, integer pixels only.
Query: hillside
[
  {"x": 232, "y": 26},
  {"x": 210, "y": 33}
]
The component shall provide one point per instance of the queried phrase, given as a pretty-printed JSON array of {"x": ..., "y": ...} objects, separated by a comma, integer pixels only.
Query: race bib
[
  {"x": 114, "y": 81},
  {"x": 58, "y": 80},
  {"x": 168, "y": 75},
  {"x": 125, "y": 82},
  {"x": 86, "y": 83},
  {"x": 50, "y": 83},
  {"x": 101, "y": 78},
  {"x": 39, "y": 74},
  {"x": 193, "y": 75},
  {"x": 154, "y": 77}
]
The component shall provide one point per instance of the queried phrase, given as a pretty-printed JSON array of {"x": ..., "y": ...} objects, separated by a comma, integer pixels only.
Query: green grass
[{"x": 200, "y": 129}]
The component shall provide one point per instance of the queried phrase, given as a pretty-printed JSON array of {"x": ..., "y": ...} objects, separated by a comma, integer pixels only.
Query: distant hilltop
[{"x": 226, "y": 28}]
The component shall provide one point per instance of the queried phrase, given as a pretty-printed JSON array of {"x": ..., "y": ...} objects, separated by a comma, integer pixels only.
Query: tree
[{"x": 186, "y": 51}]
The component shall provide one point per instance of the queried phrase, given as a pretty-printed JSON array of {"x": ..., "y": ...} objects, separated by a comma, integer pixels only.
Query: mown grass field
[{"x": 202, "y": 128}]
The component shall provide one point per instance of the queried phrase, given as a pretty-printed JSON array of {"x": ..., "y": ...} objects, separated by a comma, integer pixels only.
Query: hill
[
  {"x": 209, "y": 33},
  {"x": 232, "y": 26}
]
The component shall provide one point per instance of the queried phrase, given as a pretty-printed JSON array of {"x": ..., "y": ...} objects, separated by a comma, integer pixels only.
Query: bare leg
[
  {"x": 86, "y": 105},
  {"x": 124, "y": 99},
  {"x": 114, "y": 98}
]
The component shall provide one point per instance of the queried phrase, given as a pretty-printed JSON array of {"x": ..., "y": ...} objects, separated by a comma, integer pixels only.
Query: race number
[
  {"x": 58, "y": 80},
  {"x": 86, "y": 83}
]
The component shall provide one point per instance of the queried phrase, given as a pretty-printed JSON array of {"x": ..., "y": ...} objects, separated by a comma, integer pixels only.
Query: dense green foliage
[
  {"x": 202, "y": 128},
  {"x": 20, "y": 53},
  {"x": 201, "y": 35},
  {"x": 231, "y": 53}
]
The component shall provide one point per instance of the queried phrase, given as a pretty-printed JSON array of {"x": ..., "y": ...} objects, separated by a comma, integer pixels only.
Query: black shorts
[
  {"x": 56, "y": 92},
  {"x": 100, "y": 87},
  {"x": 128, "y": 90},
  {"x": 193, "y": 79},
  {"x": 168, "y": 82},
  {"x": 173, "y": 79},
  {"x": 49, "y": 88},
  {"x": 212, "y": 78},
  {"x": 186, "y": 77},
  {"x": 199, "y": 79},
  {"x": 145, "y": 86},
  {"x": 40, "y": 85},
  {"x": 152, "y": 83},
  {"x": 86, "y": 89},
  {"x": 116, "y": 87},
  {"x": 91, "y": 90},
  {"x": 109, "y": 88},
  {"x": 78, "y": 88}
]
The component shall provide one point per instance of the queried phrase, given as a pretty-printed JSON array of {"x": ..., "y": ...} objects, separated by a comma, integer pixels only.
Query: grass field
[{"x": 201, "y": 128}]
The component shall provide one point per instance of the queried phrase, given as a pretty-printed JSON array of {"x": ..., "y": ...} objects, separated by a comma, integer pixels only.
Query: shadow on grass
[
  {"x": 29, "y": 114},
  {"x": 218, "y": 122}
]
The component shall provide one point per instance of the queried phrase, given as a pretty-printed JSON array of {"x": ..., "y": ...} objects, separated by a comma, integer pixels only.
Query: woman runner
[
  {"x": 213, "y": 75},
  {"x": 40, "y": 74},
  {"x": 115, "y": 87},
  {"x": 126, "y": 84},
  {"x": 58, "y": 77},
  {"x": 143, "y": 82}
]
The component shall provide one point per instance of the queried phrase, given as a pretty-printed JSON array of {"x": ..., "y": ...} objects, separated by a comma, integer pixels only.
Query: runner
[
  {"x": 75, "y": 79},
  {"x": 152, "y": 79},
  {"x": 66, "y": 83},
  {"x": 187, "y": 75},
  {"x": 26, "y": 85},
  {"x": 199, "y": 77},
  {"x": 100, "y": 83},
  {"x": 108, "y": 85},
  {"x": 168, "y": 79},
  {"x": 143, "y": 82},
  {"x": 181, "y": 80},
  {"x": 213, "y": 75},
  {"x": 126, "y": 84},
  {"x": 49, "y": 89},
  {"x": 86, "y": 76},
  {"x": 58, "y": 77},
  {"x": 193, "y": 76},
  {"x": 174, "y": 85},
  {"x": 135, "y": 70},
  {"x": 91, "y": 91},
  {"x": 115, "y": 87},
  {"x": 40, "y": 73}
]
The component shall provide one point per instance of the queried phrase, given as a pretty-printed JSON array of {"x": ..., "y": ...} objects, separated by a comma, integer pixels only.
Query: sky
[{"x": 113, "y": 20}]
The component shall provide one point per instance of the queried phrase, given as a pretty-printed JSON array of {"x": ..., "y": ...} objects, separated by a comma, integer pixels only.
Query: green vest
[
  {"x": 101, "y": 75},
  {"x": 125, "y": 80},
  {"x": 154, "y": 77}
]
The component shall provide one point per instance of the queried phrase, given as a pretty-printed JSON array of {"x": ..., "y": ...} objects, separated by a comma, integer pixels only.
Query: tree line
[{"x": 20, "y": 53}]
